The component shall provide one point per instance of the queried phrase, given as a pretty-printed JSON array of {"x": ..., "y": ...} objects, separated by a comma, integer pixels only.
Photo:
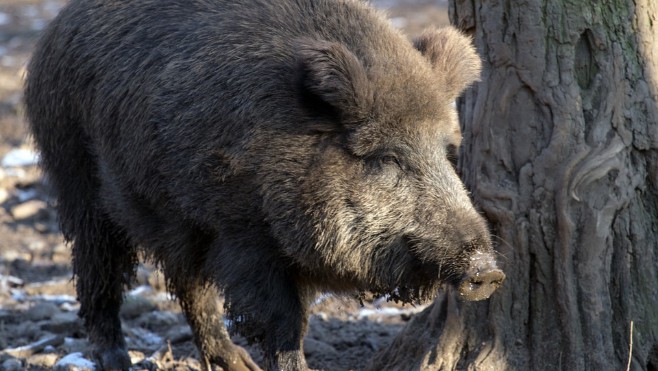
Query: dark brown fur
[{"x": 268, "y": 149}]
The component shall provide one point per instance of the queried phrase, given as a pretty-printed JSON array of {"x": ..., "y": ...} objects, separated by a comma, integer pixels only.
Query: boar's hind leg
[
  {"x": 103, "y": 257},
  {"x": 199, "y": 303},
  {"x": 103, "y": 262}
]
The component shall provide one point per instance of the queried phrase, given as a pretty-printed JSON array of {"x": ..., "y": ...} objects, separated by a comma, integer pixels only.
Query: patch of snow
[
  {"x": 74, "y": 361},
  {"x": 20, "y": 295},
  {"x": 383, "y": 311},
  {"x": 70, "y": 307},
  {"x": 399, "y": 22},
  {"x": 15, "y": 173},
  {"x": 163, "y": 296},
  {"x": 322, "y": 316},
  {"x": 57, "y": 299},
  {"x": 4, "y": 18},
  {"x": 39, "y": 24},
  {"x": 69, "y": 341},
  {"x": 381, "y": 300},
  {"x": 20, "y": 157},
  {"x": 11, "y": 280},
  {"x": 230, "y": 323},
  {"x": 321, "y": 299},
  {"x": 140, "y": 290},
  {"x": 389, "y": 311},
  {"x": 146, "y": 336},
  {"x": 26, "y": 194}
]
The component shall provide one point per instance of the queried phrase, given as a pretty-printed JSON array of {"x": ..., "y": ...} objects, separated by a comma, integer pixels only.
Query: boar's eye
[
  {"x": 380, "y": 163},
  {"x": 389, "y": 160}
]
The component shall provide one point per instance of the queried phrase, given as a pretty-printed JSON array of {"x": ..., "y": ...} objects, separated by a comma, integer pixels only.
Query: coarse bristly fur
[{"x": 267, "y": 149}]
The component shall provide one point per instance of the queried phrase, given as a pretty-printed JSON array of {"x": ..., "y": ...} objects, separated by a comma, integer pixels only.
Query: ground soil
[{"x": 38, "y": 310}]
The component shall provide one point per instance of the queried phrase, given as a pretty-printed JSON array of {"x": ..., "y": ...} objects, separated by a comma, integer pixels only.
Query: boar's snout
[{"x": 482, "y": 278}]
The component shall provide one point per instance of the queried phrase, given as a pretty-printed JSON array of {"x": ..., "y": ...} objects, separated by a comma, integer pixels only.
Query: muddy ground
[{"x": 39, "y": 328}]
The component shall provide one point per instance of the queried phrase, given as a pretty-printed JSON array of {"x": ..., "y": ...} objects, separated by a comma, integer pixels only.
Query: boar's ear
[
  {"x": 452, "y": 56},
  {"x": 330, "y": 74}
]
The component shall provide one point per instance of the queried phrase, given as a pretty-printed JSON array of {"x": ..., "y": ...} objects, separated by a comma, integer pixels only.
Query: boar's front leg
[
  {"x": 267, "y": 304},
  {"x": 282, "y": 344},
  {"x": 199, "y": 302}
]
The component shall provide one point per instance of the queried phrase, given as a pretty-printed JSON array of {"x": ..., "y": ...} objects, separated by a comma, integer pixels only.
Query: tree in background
[{"x": 561, "y": 154}]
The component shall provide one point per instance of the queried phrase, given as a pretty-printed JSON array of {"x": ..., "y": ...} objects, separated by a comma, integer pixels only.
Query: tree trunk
[{"x": 561, "y": 154}]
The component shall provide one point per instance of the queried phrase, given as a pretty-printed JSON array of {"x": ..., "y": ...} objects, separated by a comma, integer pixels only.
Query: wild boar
[{"x": 264, "y": 150}]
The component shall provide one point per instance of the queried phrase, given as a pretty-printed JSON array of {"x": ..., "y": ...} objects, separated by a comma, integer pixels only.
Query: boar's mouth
[
  {"x": 426, "y": 266},
  {"x": 475, "y": 279},
  {"x": 413, "y": 278}
]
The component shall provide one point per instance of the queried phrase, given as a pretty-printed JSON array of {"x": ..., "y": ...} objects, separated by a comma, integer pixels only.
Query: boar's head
[{"x": 381, "y": 206}]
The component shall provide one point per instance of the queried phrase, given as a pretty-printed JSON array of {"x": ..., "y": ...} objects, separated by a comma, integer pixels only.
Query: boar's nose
[
  {"x": 481, "y": 285},
  {"x": 481, "y": 279}
]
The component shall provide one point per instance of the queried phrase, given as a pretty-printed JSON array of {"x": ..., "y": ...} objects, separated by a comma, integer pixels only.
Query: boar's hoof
[
  {"x": 113, "y": 359},
  {"x": 481, "y": 285}
]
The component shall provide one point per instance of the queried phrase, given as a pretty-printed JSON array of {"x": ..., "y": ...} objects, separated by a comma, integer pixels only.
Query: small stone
[
  {"x": 63, "y": 286},
  {"x": 10, "y": 281},
  {"x": 135, "y": 356},
  {"x": 12, "y": 364},
  {"x": 179, "y": 334},
  {"x": 133, "y": 306},
  {"x": 16, "y": 255},
  {"x": 41, "y": 311},
  {"x": 28, "y": 209},
  {"x": 61, "y": 251},
  {"x": 42, "y": 227},
  {"x": 26, "y": 194},
  {"x": 4, "y": 195},
  {"x": 139, "y": 337},
  {"x": 36, "y": 245},
  {"x": 159, "y": 319},
  {"x": 315, "y": 347},
  {"x": 70, "y": 307},
  {"x": 42, "y": 360},
  {"x": 321, "y": 316},
  {"x": 63, "y": 323},
  {"x": 34, "y": 348},
  {"x": 61, "y": 248},
  {"x": 74, "y": 345}
]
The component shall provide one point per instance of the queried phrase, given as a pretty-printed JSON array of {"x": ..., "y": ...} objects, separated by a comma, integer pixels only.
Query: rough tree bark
[{"x": 561, "y": 154}]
